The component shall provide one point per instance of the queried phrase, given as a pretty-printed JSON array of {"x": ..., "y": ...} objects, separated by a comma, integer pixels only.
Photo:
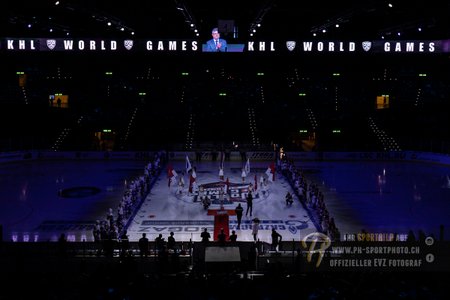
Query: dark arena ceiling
[
  {"x": 341, "y": 88},
  {"x": 417, "y": 19}
]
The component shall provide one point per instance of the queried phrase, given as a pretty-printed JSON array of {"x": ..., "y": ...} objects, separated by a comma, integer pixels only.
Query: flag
[
  {"x": 270, "y": 172},
  {"x": 191, "y": 181},
  {"x": 247, "y": 166},
  {"x": 188, "y": 165},
  {"x": 194, "y": 175},
  {"x": 171, "y": 174},
  {"x": 222, "y": 158},
  {"x": 272, "y": 168},
  {"x": 227, "y": 185}
]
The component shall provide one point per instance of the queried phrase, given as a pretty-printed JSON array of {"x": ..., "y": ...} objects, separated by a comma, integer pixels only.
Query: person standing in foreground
[
  {"x": 249, "y": 204},
  {"x": 143, "y": 245},
  {"x": 205, "y": 236},
  {"x": 276, "y": 239},
  {"x": 255, "y": 228},
  {"x": 233, "y": 237},
  {"x": 239, "y": 210}
]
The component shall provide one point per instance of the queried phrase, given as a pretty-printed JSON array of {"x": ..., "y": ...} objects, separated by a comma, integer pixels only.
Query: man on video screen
[{"x": 216, "y": 44}]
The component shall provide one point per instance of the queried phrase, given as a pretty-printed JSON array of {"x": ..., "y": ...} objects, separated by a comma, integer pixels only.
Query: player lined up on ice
[
  {"x": 206, "y": 201},
  {"x": 136, "y": 190},
  {"x": 311, "y": 195},
  {"x": 289, "y": 199}
]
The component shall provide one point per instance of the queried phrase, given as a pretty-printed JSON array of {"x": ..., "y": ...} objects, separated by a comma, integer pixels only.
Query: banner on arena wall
[{"x": 176, "y": 46}]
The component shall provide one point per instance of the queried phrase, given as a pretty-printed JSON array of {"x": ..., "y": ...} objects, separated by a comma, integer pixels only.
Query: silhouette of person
[
  {"x": 125, "y": 244},
  {"x": 233, "y": 236},
  {"x": 62, "y": 245},
  {"x": 249, "y": 204},
  {"x": 221, "y": 237},
  {"x": 159, "y": 242},
  {"x": 108, "y": 246},
  {"x": 143, "y": 245},
  {"x": 276, "y": 239},
  {"x": 239, "y": 210},
  {"x": 216, "y": 44},
  {"x": 205, "y": 236},
  {"x": 171, "y": 241}
]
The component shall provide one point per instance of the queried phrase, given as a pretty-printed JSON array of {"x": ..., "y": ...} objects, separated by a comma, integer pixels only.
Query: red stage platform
[{"x": 221, "y": 221}]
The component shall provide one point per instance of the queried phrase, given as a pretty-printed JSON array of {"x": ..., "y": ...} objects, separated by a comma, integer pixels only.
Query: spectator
[
  {"x": 62, "y": 245},
  {"x": 125, "y": 244},
  {"x": 276, "y": 239},
  {"x": 143, "y": 245},
  {"x": 205, "y": 236},
  {"x": 171, "y": 241},
  {"x": 221, "y": 237},
  {"x": 233, "y": 237},
  {"x": 159, "y": 243}
]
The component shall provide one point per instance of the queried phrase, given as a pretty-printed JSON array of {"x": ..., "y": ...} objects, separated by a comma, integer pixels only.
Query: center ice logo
[{"x": 234, "y": 192}]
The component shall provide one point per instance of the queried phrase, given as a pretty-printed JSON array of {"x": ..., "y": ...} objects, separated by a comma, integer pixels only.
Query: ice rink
[{"x": 377, "y": 197}]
